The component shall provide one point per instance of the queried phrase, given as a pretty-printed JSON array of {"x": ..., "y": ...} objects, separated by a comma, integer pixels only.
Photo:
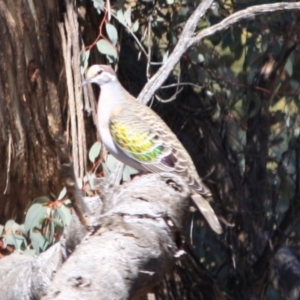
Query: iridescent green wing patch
[{"x": 142, "y": 145}]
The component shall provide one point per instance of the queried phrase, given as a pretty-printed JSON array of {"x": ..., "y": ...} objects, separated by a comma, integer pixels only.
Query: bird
[{"x": 135, "y": 135}]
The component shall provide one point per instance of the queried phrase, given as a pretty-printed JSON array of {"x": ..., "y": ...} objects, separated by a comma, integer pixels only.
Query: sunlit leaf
[
  {"x": 127, "y": 16},
  {"x": 120, "y": 16},
  {"x": 65, "y": 215},
  {"x": 29, "y": 252},
  {"x": 201, "y": 58},
  {"x": 99, "y": 5},
  {"x": 128, "y": 172},
  {"x": 110, "y": 163},
  {"x": 112, "y": 33},
  {"x": 62, "y": 193},
  {"x": 135, "y": 26},
  {"x": 165, "y": 56},
  {"x": 34, "y": 216},
  {"x": 11, "y": 226},
  {"x": 37, "y": 241},
  {"x": 9, "y": 239},
  {"x": 107, "y": 48},
  {"x": 20, "y": 241},
  {"x": 289, "y": 67},
  {"x": 92, "y": 178},
  {"x": 94, "y": 151}
]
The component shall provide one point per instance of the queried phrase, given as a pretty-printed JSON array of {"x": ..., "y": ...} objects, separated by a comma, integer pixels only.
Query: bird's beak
[{"x": 86, "y": 81}]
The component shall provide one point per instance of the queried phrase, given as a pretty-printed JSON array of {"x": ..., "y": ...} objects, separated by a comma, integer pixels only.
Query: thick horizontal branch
[{"x": 134, "y": 247}]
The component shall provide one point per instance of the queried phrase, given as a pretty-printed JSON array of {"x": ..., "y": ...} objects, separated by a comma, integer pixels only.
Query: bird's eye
[{"x": 99, "y": 72}]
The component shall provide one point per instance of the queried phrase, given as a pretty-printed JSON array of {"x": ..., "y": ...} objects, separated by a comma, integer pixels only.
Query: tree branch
[
  {"x": 135, "y": 245},
  {"x": 187, "y": 40},
  {"x": 247, "y": 13},
  {"x": 183, "y": 44}
]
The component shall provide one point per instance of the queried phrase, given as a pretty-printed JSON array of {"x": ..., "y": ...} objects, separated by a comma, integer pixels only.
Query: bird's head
[{"x": 100, "y": 74}]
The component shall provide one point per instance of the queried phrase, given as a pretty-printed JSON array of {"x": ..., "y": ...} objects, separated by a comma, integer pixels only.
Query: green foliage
[
  {"x": 106, "y": 48},
  {"x": 94, "y": 151},
  {"x": 12, "y": 236},
  {"x": 43, "y": 226},
  {"x": 45, "y": 221},
  {"x": 99, "y": 5},
  {"x": 112, "y": 33}
]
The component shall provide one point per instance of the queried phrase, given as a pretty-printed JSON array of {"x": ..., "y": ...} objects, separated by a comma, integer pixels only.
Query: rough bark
[
  {"x": 32, "y": 100},
  {"x": 133, "y": 249}
]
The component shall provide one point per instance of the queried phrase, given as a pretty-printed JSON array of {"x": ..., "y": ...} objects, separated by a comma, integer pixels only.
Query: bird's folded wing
[{"x": 142, "y": 143}]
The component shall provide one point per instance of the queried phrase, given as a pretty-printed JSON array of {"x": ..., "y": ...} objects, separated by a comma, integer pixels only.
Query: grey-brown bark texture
[
  {"x": 32, "y": 100},
  {"x": 40, "y": 96},
  {"x": 134, "y": 247}
]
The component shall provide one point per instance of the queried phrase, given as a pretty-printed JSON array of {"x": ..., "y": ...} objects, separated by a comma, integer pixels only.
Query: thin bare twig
[
  {"x": 180, "y": 84},
  {"x": 247, "y": 13}
]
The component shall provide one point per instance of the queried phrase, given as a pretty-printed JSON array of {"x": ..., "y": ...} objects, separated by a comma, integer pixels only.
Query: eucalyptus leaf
[
  {"x": 68, "y": 203},
  {"x": 289, "y": 67},
  {"x": 20, "y": 241},
  {"x": 62, "y": 193},
  {"x": 11, "y": 225},
  {"x": 65, "y": 215},
  {"x": 99, "y": 5},
  {"x": 46, "y": 244},
  {"x": 112, "y": 33},
  {"x": 22, "y": 229},
  {"x": 135, "y": 26},
  {"x": 165, "y": 56},
  {"x": 110, "y": 162},
  {"x": 107, "y": 48},
  {"x": 56, "y": 222},
  {"x": 9, "y": 239},
  {"x": 201, "y": 58},
  {"x": 34, "y": 216},
  {"x": 94, "y": 151},
  {"x": 127, "y": 16},
  {"x": 120, "y": 16},
  {"x": 128, "y": 172},
  {"x": 92, "y": 178},
  {"x": 29, "y": 252},
  {"x": 51, "y": 231}
]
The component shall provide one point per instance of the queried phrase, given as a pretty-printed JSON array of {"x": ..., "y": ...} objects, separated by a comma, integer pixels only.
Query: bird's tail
[{"x": 208, "y": 213}]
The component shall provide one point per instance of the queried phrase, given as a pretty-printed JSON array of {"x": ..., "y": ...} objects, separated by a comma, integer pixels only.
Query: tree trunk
[{"x": 34, "y": 100}]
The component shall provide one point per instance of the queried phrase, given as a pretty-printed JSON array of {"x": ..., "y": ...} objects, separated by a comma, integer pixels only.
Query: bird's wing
[
  {"x": 142, "y": 135},
  {"x": 140, "y": 140}
]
